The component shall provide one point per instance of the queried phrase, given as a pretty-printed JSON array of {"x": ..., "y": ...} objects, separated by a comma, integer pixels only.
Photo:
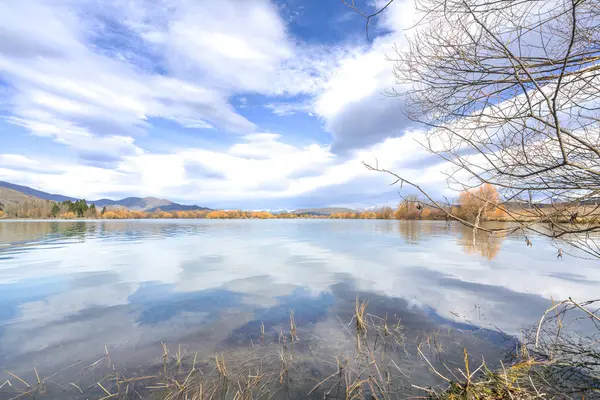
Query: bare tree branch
[
  {"x": 367, "y": 16},
  {"x": 510, "y": 94}
]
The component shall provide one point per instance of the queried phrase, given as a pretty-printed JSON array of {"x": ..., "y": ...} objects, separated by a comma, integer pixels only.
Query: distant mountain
[
  {"x": 35, "y": 193},
  {"x": 181, "y": 207},
  {"x": 134, "y": 203},
  {"x": 10, "y": 196},
  {"x": 323, "y": 210},
  {"x": 146, "y": 204},
  {"x": 11, "y": 193}
]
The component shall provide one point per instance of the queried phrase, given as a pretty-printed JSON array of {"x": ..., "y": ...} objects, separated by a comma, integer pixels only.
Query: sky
[{"x": 252, "y": 104}]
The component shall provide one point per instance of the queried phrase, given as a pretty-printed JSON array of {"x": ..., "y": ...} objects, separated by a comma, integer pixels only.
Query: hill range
[{"x": 12, "y": 193}]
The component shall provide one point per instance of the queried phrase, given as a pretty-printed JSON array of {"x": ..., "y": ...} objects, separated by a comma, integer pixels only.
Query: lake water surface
[{"x": 71, "y": 291}]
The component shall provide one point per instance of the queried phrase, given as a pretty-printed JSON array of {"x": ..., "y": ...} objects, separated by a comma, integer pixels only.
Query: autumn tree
[
  {"x": 216, "y": 215},
  {"x": 91, "y": 212},
  {"x": 68, "y": 215},
  {"x": 408, "y": 208},
  {"x": 476, "y": 204},
  {"x": 29, "y": 209},
  {"x": 286, "y": 215},
  {"x": 138, "y": 215},
  {"x": 385, "y": 213},
  {"x": 109, "y": 215},
  {"x": 367, "y": 215}
]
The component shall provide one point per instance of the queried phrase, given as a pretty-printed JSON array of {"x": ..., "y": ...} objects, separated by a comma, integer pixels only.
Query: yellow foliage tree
[
  {"x": 110, "y": 215},
  {"x": 67, "y": 215},
  {"x": 163, "y": 214},
  {"x": 367, "y": 215},
  {"x": 138, "y": 215},
  {"x": 426, "y": 213},
  {"x": 216, "y": 215},
  {"x": 407, "y": 209},
  {"x": 480, "y": 201},
  {"x": 286, "y": 215},
  {"x": 344, "y": 215},
  {"x": 262, "y": 215},
  {"x": 385, "y": 213}
]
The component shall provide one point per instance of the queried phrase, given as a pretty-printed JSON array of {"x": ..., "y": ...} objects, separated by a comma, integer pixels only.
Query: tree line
[
  {"x": 474, "y": 205},
  {"x": 479, "y": 204},
  {"x": 41, "y": 209}
]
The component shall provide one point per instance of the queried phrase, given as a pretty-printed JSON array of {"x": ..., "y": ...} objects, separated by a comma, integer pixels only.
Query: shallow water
[{"x": 68, "y": 289}]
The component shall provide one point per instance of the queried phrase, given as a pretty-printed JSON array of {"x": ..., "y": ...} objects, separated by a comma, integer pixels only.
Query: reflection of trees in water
[
  {"x": 480, "y": 243},
  {"x": 411, "y": 231},
  {"x": 27, "y": 232},
  {"x": 32, "y": 231},
  {"x": 74, "y": 230},
  {"x": 415, "y": 231},
  {"x": 20, "y": 232}
]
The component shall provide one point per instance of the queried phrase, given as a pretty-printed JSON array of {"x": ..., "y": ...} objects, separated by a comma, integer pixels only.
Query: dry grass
[
  {"x": 514, "y": 382},
  {"x": 553, "y": 361},
  {"x": 359, "y": 314},
  {"x": 293, "y": 329},
  {"x": 368, "y": 369}
]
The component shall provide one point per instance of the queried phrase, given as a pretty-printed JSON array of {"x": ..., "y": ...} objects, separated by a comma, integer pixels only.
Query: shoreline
[{"x": 565, "y": 220}]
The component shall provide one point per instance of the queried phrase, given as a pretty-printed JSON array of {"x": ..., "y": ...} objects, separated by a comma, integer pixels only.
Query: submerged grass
[
  {"x": 547, "y": 364},
  {"x": 359, "y": 314}
]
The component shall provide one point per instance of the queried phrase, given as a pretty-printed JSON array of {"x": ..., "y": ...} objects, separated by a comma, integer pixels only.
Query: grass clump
[
  {"x": 513, "y": 382},
  {"x": 553, "y": 362}
]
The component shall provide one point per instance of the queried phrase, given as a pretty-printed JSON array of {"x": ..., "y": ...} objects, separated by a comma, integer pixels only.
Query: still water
[{"x": 72, "y": 291}]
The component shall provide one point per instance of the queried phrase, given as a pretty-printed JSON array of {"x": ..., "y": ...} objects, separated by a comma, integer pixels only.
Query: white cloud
[
  {"x": 64, "y": 76},
  {"x": 91, "y": 148},
  {"x": 18, "y": 161},
  {"x": 236, "y": 45},
  {"x": 284, "y": 109},
  {"x": 95, "y": 84},
  {"x": 263, "y": 168},
  {"x": 261, "y": 146},
  {"x": 353, "y": 103}
]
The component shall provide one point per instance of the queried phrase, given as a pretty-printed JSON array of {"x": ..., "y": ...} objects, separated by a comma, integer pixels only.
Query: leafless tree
[{"x": 510, "y": 94}]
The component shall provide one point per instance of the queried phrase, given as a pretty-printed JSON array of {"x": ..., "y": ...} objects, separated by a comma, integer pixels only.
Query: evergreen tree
[
  {"x": 80, "y": 207},
  {"x": 92, "y": 212},
  {"x": 103, "y": 210},
  {"x": 68, "y": 204},
  {"x": 55, "y": 210}
]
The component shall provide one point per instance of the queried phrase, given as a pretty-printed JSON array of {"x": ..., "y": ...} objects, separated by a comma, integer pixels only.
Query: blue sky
[{"x": 233, "y": 104}]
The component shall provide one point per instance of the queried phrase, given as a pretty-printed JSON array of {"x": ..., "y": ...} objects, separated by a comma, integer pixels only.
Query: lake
[{"x": 79, "y": 292}]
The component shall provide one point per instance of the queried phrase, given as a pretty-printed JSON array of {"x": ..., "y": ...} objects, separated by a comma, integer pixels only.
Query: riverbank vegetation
[{"x": 374, "y": 359}]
